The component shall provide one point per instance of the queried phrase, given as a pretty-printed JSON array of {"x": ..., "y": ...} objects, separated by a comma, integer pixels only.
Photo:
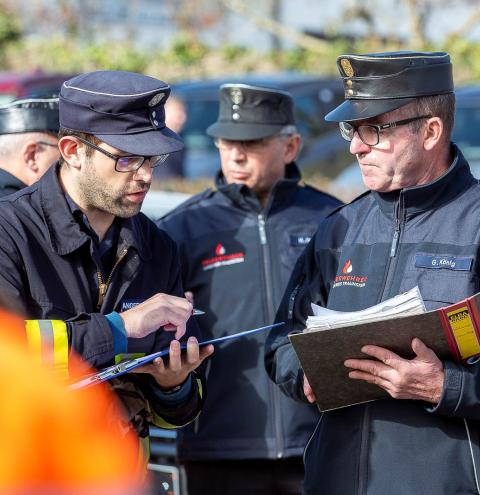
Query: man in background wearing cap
[
  {"x": 28, "y": 141},
  {"x": 238, "y": 244},
  {"x": 418, "y": 225},
  {"x": 76, "y": 254}
]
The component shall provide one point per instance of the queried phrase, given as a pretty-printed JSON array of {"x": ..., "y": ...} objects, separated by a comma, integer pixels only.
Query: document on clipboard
[{"x": 130, "y": 364}]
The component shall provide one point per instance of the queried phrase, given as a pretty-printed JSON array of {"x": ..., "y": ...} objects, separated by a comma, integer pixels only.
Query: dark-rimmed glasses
[
  {"x": 127, "y": 163},
  {"x": 369, "y": 134}
]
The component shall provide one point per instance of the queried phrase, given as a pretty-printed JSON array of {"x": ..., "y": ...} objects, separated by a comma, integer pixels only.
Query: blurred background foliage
[{"x": 70, "y": 50}]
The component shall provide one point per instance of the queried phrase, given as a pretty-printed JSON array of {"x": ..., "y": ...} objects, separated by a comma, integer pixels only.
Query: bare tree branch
[{"x": 267, "y": 24}]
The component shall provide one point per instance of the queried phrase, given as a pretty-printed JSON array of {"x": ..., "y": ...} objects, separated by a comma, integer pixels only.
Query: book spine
[
  {"x": 447, "y": 329},
  {"x": 460, "y": 323}
]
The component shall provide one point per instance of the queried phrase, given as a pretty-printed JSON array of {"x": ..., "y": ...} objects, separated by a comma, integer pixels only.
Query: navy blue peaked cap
[{"x": 123, "y": 109}]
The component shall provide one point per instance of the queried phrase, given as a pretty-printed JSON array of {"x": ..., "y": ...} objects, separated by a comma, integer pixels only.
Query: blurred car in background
[
  {"x": 466, "y": 132},
  {"x": 36, "y": 84},
  {"x": 323, "y": 148}
]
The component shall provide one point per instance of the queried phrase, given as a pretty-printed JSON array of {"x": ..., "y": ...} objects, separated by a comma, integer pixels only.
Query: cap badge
[
  {"x": 156, "y": 99},
  {"x": 236, "y": 96},
  {"x": 347, "y": 67}
]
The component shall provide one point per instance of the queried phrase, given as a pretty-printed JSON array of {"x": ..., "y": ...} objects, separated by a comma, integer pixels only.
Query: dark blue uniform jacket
[
  {"x": 392, "y": 242},
  {"x": 47, "y": 266},
  {"x": 236, "y": 259}
]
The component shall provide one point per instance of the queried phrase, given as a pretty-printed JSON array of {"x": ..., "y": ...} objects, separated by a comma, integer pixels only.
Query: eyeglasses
[
  {"x": 247, "y": 146},
  {"x": 44, "y": 143},
  {"x": 128, "y": 163},
  {"x": 369, "y": 134}
]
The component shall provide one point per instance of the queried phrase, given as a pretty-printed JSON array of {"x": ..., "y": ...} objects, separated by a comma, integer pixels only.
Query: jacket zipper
[
  {"x": 103, "y": 286},
  {"x": 270, "y": 305},
  {"x": 392, "y": 261},
  {"x": 394, "y": 246}
]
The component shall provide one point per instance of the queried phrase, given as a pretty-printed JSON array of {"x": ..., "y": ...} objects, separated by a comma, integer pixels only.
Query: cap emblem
[
  {"x": 156, "y": 99},
  {"x": 236, "y": 96},
  {"x": 347, "y": 67}
]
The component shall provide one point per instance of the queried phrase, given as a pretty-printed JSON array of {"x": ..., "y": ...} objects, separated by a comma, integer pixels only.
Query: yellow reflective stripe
[
  {"x": 200, "y": 388},
  {"x": 34, "y": 340},
  {"x": 123, "y": 357},
  {"x": 60, "y": 346},
  {"x": 143, "y": 452},
  {"x": 161, "y": 423},
  {"x": 48, "y": 342}
]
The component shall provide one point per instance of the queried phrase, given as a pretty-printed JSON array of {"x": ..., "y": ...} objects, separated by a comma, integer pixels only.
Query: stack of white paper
[{"x": 408, "y": 303}]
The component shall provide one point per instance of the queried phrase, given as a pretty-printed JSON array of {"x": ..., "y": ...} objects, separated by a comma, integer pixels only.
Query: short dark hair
[
  {"x": 442, "y": 106},
  {"x": 62, "y": 132}
]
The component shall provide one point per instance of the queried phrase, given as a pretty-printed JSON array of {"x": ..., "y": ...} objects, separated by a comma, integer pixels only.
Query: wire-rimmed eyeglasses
[
  {"x": 369, "y": 134},
  {"x": 128, "y": 163}
]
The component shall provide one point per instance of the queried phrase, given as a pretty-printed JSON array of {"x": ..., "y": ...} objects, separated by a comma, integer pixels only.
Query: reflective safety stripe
[
  {"x": 48, "y": 342},
  {"x": 161, "y": 423},
  {"x": 143, "y": 452}
]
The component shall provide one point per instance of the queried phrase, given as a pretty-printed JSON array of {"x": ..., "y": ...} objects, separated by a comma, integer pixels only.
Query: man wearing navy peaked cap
[
  {"x": 77, "y": 255},
  {"x": 28, "y": 141},
  {"x": 417, "y": 226}
]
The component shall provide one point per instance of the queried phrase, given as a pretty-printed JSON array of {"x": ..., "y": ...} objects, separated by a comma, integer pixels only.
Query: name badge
[
  {"x": 461, "y": 263},
  {"x": 300, "y": 240},
  {"x": 129, "y": 304}
]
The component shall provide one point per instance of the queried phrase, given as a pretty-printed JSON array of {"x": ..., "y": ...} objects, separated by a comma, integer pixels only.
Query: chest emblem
[
  {"x": 222, "y": 258},
  {"x": 348, "y": 277}
]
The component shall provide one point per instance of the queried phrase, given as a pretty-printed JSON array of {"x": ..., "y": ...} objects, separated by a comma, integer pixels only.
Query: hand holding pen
[{"x": 160, "y": 310}]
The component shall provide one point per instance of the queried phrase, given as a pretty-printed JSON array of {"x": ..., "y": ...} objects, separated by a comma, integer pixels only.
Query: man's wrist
[{"x": 119, "y": 334}]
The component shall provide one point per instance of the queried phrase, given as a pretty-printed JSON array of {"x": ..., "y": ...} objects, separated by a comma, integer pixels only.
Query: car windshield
[{"x": 467, "y": 130}]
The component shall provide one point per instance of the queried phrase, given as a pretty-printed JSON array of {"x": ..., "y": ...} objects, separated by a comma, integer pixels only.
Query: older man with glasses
[
  {"x": 417, "y": 226},
  {"x": 76, "y": 254},
  {"x": 28, "y": 141},
  {"x": 238, "y": 243}
]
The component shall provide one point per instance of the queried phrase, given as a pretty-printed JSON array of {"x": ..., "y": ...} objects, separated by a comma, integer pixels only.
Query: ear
[
  {"x": 71, "y": 151},
  {"x": 28, "y": 153},
  {"x": 432, "y": 133},
  {"x": 292, "y": 148}
]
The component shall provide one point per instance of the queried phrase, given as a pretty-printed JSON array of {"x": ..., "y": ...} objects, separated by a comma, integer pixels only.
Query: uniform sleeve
[
  {"x": 305, "y": 286},
  {"x": 461, "y": 391},
  {"x": 89, "y": 335}
]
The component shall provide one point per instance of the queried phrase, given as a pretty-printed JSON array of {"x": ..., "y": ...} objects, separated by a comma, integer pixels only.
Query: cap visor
[
  {"x": 351, "y": 110},
  {"x": 242, "y": 131},
  {"x": 150, "y": 143}
]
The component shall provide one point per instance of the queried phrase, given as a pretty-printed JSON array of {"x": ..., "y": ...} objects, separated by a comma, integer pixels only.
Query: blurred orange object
[{"x": 53, "y": 441}]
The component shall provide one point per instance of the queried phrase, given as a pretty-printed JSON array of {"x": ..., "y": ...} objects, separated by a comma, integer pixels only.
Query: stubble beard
[{"x": 103, "y": 197}]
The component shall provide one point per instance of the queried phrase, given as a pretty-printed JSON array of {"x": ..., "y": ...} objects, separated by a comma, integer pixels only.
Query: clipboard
[{"x": 130, "y": 364}]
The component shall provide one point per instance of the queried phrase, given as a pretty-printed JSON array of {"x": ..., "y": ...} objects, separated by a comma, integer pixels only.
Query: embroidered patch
[
  {"x": 300, "y": 240},
  {"x": 222, "y": 258},
  {"x": 446, "y": 262},
  {"x": 129, "y": 304},
  {"x": 348, "y": 277}
]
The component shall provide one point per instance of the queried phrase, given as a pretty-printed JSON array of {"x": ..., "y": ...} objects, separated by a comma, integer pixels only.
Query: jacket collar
[
  {"x": 10, "y": 182},
  {"x": 65, "y": 233},
  {"x": 242, "y": 196},
  {"x": 416, "y": 199}
]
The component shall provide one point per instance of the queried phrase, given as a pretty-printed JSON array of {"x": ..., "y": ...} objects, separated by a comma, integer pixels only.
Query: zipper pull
[
  {"x": 261, "y": 229},
  {"x": 393, "y": 249},
  {"x": 102, "y": 290}
]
